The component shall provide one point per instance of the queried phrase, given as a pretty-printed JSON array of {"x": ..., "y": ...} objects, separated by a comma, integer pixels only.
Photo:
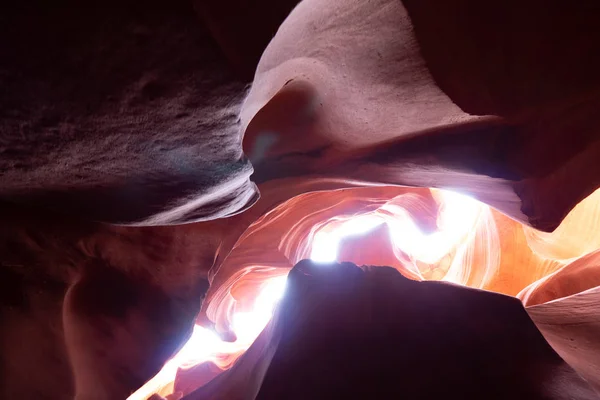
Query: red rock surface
[{"x": 139, "y": 113}]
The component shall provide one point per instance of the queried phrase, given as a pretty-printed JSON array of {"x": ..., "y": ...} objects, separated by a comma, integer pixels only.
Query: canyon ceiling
[{"x": 161, "y": 161}]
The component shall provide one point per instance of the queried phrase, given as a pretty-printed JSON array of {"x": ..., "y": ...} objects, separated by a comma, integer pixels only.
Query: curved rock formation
[
  {"x": 124, "y": 112},
  {"x": 133, "y": 114},
  {"x": 343, "y": 331}
]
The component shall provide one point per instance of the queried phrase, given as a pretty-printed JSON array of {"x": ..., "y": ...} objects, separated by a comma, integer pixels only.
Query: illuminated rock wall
[
  {"x": 342, "y": 331},
  {"x": 134, "y": 114}
]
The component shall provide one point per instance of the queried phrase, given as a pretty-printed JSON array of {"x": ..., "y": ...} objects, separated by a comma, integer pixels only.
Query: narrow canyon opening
[{"x": 425, "y": 234}]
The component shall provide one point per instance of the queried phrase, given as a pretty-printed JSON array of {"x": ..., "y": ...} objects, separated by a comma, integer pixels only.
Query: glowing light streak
[
  {"x": 457, "y": 218},
  {"x": 205, "y": 345},
  {"x": 465, "y": 248},
  {"x": 325, "y": 244}
]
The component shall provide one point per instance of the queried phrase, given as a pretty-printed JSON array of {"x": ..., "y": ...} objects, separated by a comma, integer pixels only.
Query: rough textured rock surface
[
  {"x": 124, "y": 112},
  {"x": 134, "y": 113}
]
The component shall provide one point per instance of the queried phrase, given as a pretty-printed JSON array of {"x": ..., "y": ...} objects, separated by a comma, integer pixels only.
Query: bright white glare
[
  {"x": 270, "y": 294},
  {"x": 248, "y": 325},
  {"x": 324, "y": 248},
  {"x": 457, "y": 218},
  {"x": 205, "y": 345},
  {"x": 325, "y": 244},
  {"x": 202, "y": 345}
]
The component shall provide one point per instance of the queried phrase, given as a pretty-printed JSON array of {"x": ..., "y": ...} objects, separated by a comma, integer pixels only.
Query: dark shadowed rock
[
  {"x": 369, "y": 333},
  {"x": 120, "y": 111}
]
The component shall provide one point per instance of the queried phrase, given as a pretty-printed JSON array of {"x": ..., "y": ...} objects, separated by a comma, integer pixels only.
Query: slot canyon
[{"x": 299, "y": 199}]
